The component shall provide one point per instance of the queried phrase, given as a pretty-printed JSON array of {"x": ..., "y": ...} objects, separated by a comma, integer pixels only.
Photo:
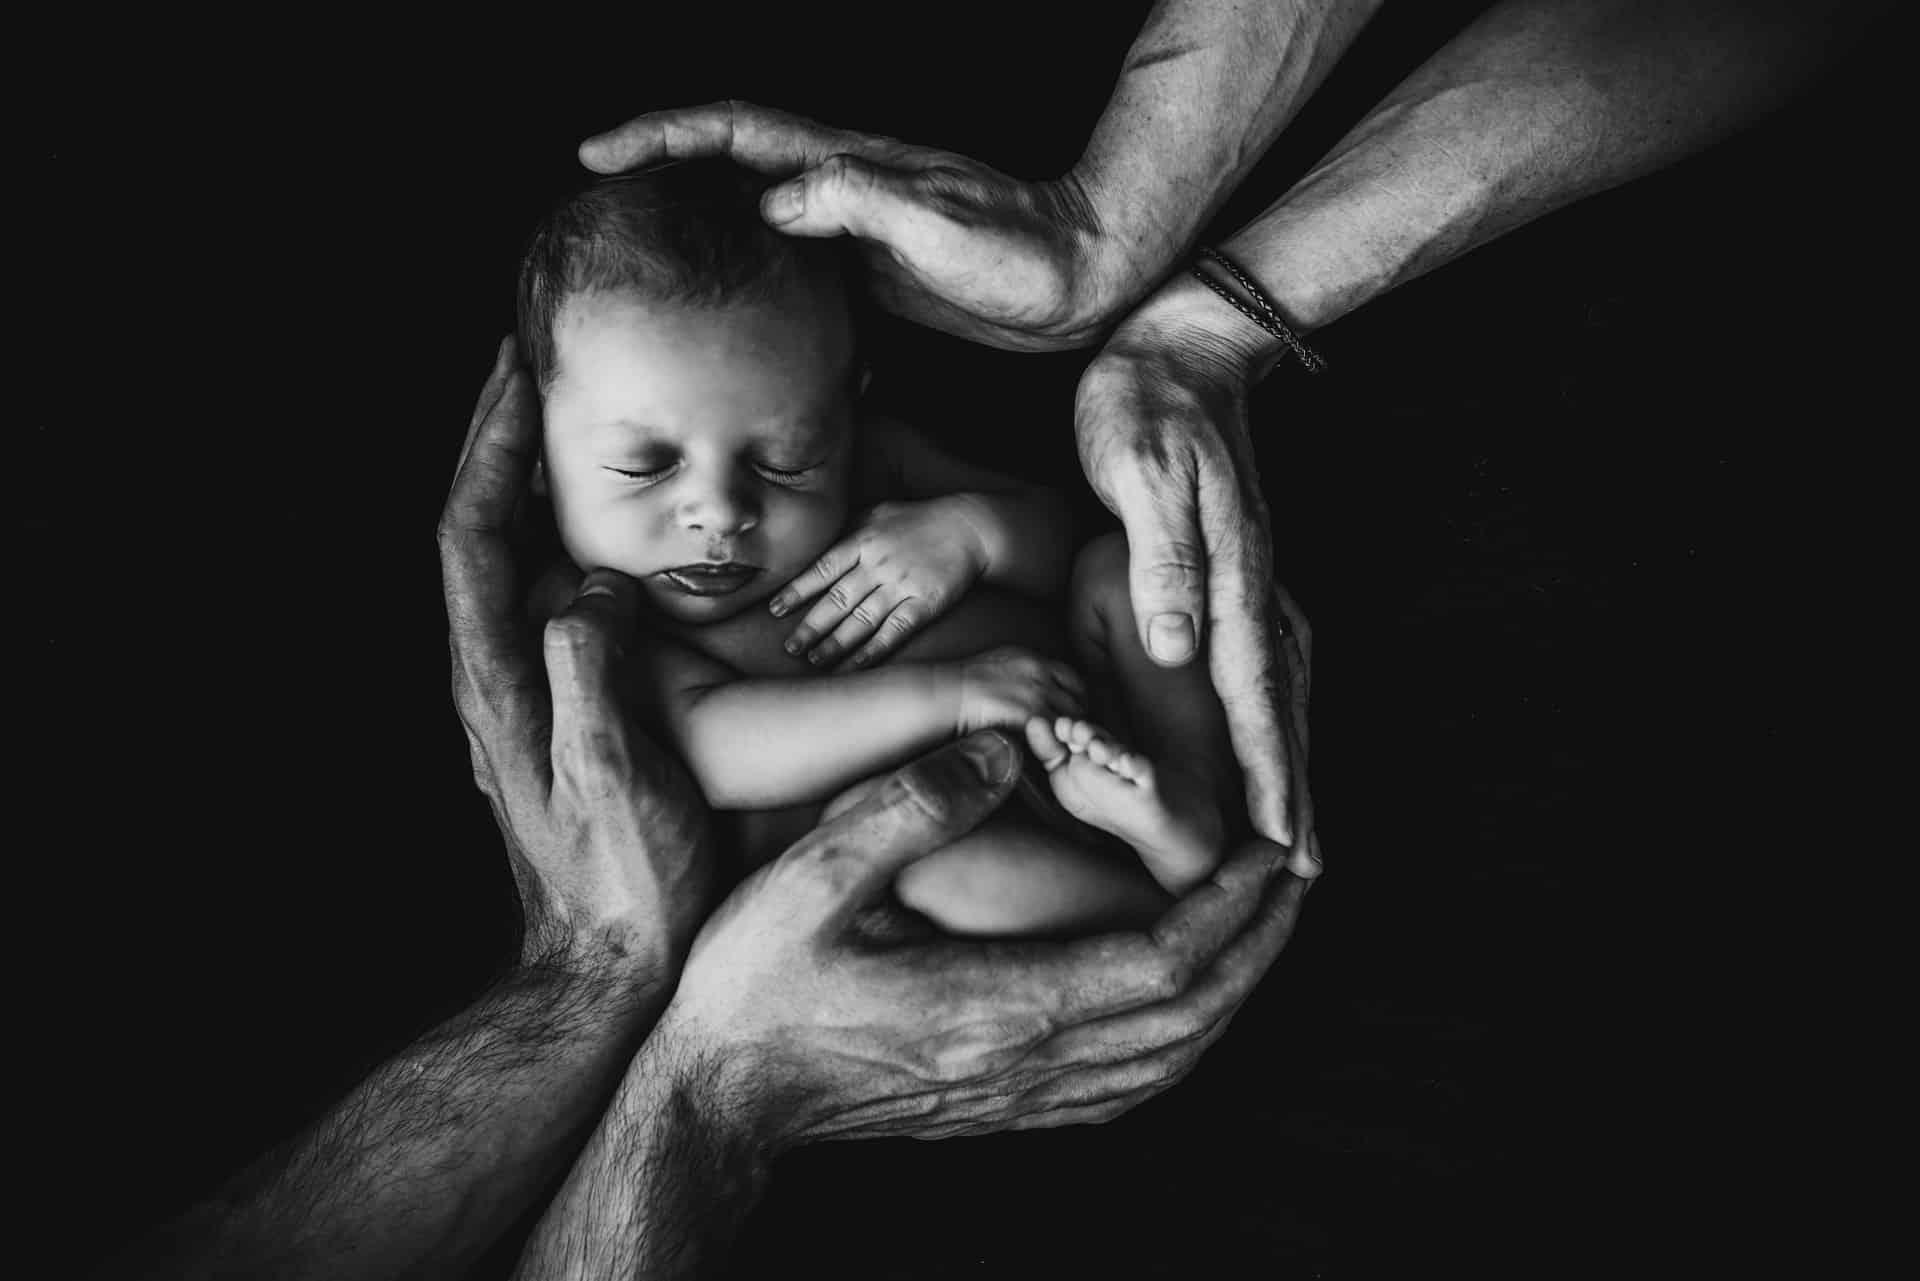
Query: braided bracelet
[{"x": 1267, "y": 316}]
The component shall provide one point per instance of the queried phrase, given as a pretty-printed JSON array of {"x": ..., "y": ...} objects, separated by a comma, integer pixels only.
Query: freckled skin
[{"x": 710, "y": 396}]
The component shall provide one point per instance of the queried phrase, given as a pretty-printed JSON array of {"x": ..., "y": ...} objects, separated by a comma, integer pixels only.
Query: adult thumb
[
  {"x": 1166, "y": 577},
  {"x": 918, "y": 809},
  {"x": 845, "y": 195}
]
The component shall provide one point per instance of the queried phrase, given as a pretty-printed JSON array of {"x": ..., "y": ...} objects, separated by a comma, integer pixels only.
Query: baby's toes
[
  {"x": 1133, "y": 767},
  {"x": 1045, "y": 740},
  {"x": 1102, "y": 750},
  {"x": 1082, "y": 733}
]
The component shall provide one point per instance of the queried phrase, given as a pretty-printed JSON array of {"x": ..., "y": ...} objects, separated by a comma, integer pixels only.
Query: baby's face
[{"x": 705, "y": 451}]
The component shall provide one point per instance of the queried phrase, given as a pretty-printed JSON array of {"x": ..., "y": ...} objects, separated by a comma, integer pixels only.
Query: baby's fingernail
[
  {"x": 784, "y": 204},
  {"x": 992, "y": 758},
  {"x": 1170, "y": 637}
]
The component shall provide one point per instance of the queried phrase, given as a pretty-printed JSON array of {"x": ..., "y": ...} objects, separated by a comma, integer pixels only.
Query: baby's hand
[
  {"x": 1005, "y": 687},
  {"x": 904, "y": 567}
]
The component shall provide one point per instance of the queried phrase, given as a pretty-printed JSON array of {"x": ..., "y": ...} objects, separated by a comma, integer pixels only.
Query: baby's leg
[
  {"x": 1170, "y": 797},
  {"x": 1010, "y": 876}
]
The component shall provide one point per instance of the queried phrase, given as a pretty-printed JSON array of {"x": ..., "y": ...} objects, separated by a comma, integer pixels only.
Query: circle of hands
[{"x": 785, "y": 995}]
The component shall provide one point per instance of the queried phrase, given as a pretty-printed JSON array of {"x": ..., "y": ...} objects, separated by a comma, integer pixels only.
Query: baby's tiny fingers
[
  {"x": 813, "y": 580},
  {"x": 899, "y": 625},
  {"x": 828, "y": 612},
  {"x": 858, "y": 625}
]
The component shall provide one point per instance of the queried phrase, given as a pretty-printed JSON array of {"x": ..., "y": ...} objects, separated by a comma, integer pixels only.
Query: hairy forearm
[
  {"x": 439, "y": 1150},
  {"x": 760, "y": 744},
  {"x": 664, "y": 1183},
  {"x": 1026, "y": 539},
  {"x": 1534, "y": 106},
  {"x": 1206, "y": 87}
]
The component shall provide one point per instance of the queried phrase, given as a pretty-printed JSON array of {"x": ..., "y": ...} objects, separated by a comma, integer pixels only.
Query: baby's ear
[{"x": 539, "y": 482}]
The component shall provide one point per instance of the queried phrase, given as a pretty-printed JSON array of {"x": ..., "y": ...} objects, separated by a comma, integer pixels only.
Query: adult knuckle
[
  {"x": 567, "y": 636},
  {"x": 843, "y": 169},
  {"x": 1176, "y": 567}
]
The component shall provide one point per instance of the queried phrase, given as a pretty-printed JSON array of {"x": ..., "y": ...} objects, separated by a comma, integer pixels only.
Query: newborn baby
[{"x": 704, "y": 435}]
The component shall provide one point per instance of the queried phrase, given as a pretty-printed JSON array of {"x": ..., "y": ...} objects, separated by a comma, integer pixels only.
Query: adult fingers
[
  {"x": 496, "y": 384},
  {"x": 1296, "y": 653},
  {"x": 1245, "y": 666},
  {"x": 1264, "y": 923},
  {"x": 1087, "y": 980},
  {"x": 832, "y": 872},
  {"x": 847, "y": 195},
  {"x": 583, "y": 642},
  {"x": 762, "y": 138},
  {"x": 1166, "y": 557},
  {"x": 493, "y": 674}
]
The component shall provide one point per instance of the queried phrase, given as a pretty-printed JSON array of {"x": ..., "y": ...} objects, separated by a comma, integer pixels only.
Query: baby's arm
[
  {"x": 763, "y": 743},
  {"x": 1025, "y": 531}
]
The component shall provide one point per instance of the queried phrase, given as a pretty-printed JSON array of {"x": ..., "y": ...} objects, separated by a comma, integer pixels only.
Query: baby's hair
[{"x": 687, "y": 231}]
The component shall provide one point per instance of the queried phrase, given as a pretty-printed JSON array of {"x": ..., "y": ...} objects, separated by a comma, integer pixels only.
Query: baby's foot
[{"x": 1168, "y": 816}]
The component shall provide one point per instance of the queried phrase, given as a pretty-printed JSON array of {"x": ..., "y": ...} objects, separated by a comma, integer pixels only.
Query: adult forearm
[
  {"x": 439, "y": 1150},
  {"x": 663, "y": 1184},
  {"x": 761, "y": 744},
  {"x": 1534, "y": 106},
  {"x": 1206, "y": 87}
]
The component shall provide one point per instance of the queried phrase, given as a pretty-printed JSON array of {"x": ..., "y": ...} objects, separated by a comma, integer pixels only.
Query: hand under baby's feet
[{"x": 1167, "y": 815}]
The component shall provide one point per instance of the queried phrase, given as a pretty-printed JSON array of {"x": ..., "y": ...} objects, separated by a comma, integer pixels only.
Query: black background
[{"x": 1561, "y": 515}]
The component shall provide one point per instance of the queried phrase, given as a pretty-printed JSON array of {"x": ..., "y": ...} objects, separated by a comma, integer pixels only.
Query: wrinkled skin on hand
[
  {"x": 1160, "y": 419},
  {"x": 948, "y": 242},
  {"x": 607, "y": 836}
]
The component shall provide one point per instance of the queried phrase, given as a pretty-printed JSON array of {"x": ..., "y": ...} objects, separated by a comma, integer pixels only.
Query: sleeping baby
[{"x": 829, "y": 594}]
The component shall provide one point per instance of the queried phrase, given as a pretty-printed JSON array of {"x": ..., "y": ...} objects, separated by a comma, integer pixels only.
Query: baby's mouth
[{"x": 709, "y": 579}]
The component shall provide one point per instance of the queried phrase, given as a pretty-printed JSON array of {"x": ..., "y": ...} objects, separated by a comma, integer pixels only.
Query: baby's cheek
[
  {"x": 595, "y": 538},
  {"x": 807, "y": 525}
]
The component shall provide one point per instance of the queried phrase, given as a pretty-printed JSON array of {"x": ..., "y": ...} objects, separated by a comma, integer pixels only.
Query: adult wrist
[
  {"x": 1116, "y": 263},
  {"x": 622, "y": 968},
  {"x": 710, "y": 1089},
  {"x": 1185, "y": 311}
]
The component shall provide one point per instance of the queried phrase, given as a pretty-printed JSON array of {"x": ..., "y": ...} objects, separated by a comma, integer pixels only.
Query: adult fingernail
[
  {"x": 778, "y": 607},
  {"x": 784, "y": 204},
  {"x": 992, "y": 758},
  {"x": 1170, "y": 637}
]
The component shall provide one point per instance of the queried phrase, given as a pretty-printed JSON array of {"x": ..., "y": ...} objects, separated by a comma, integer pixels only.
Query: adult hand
[
  {"x": 949, "y": 243},
  {"x": 790, "y": 1024},
  {"x": 607, "y": 835},
  {"x": 1161, "y": 422}
]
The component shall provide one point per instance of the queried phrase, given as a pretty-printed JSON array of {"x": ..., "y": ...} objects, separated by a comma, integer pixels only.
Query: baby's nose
[{"x": 720, "y": 510}]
